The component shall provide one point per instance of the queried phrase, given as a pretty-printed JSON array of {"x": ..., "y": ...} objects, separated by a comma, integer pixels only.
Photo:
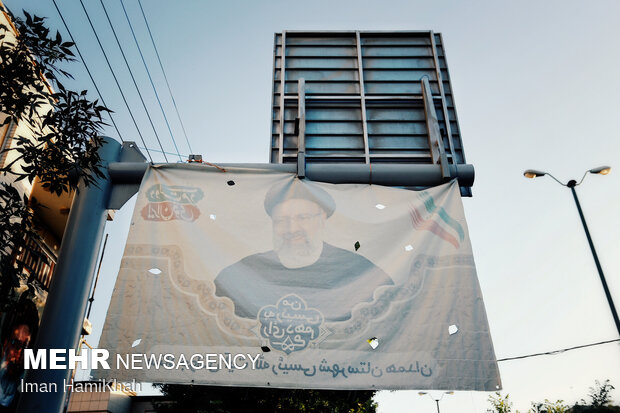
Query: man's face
[
  {"x": 16, "y": 343},
  {"x": 298, "y": 226}
]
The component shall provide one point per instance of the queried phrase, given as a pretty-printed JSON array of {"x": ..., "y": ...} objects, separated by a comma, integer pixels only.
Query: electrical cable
[
  {"x": 132, "y": 78},
  {"x": 558, "y": 351},
  {"x": 115, "y": 79},
  {"x": 87, "y": 70},
  {"x": 151, "y": 80},
  {"x": 165, "y": 77},
  {"x": 92, "y": 296},
  {"x": 157, "y": 150}
]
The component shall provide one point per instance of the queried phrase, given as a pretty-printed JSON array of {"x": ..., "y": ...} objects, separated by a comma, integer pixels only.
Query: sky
[{"x": 535, "y": 85}]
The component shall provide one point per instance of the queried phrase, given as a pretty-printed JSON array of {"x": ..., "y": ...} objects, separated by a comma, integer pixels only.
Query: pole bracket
[{"x": 123, "y": 191}]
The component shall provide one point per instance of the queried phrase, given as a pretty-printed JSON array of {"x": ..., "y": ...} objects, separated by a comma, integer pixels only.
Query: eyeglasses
[{"x": 300, "y": 219}]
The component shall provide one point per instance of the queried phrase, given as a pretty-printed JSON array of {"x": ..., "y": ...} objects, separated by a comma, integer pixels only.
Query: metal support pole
[
  {"x": 571, "y": 185},
  {"x": 437, "y": 401},
  {"x": 435, "y": 140},
  {"x": 407, "y": 175},
  {"x": 61, "y": 324},
  {"x": 301, "y": 135}
]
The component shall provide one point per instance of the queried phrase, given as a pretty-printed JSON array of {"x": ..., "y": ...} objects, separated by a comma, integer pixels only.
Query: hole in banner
[
  {"x": 135, "y": 343},
  {"x": 373, "y": 342},
  {"x": 408, "y": 247},
  {"x": 155, "y": 271},
  {"x": 265, "y": 349},
  {"x": 357, "y": 245},
  {"x": 453, "y": 329},
  {"x": 212, "y": 216},
  {"x": 230, "y": 183}
]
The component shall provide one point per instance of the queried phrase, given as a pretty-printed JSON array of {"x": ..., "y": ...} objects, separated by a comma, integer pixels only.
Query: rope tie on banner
[
  {"x": 215, "y": 166},
  {"x": 198, "y": 159}
]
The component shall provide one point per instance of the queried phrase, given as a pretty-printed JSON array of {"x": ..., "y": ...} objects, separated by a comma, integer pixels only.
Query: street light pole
[
  {"x": 571, "y": 184},
  {"x": 422, "y": 393},
  {"x": 603, "y": 170}
]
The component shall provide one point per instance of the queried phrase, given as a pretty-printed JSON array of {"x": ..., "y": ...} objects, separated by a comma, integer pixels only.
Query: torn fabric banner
[{"x": 334, "y": 286}]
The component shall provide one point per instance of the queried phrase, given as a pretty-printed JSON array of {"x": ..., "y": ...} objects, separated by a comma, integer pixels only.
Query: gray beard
[{"x": 300, "y": 255}]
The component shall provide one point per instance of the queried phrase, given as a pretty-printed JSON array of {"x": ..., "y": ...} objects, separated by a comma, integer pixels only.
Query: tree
[
  {"x": 600, "y": 393},
  {"x": 600, "y": 400},
  {"x": 549, "y": 407},
  {"x": 210, "y": 399},
  {"x": 500, "y": 403},
  {"x": 61, "y": 147}
]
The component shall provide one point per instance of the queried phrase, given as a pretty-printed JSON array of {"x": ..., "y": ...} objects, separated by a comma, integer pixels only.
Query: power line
[
  {"x": 165, "y": 77},
  {"x": 559, "y": 351},
  {"x": 157, "y": 150},
  {"x": 92, "y": 296},
  {"x": 87, "y": 70},
  {"x": 133, "y": 78},
  {"x": 151, "y": 80},
  {"x": 115, "y": 79}
]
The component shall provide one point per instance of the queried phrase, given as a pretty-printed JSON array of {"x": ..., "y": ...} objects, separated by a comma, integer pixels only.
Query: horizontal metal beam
[{"x": 407, "y": 175}]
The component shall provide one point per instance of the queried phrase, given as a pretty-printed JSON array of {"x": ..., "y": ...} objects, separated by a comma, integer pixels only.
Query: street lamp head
[
  {"x": 533, "y": 173},
  {"x": 603, "y": 170}
]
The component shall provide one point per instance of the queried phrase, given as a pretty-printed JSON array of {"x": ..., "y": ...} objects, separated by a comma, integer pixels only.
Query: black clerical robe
[{"x": 335, "y": 283}]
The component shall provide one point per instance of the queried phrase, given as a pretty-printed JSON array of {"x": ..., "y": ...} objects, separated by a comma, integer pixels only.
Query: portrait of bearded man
[{"x": 328, "y": 278}]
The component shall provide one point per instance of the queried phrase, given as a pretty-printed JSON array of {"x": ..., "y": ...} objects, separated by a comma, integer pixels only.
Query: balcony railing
[{"x": 37, "y": 261}]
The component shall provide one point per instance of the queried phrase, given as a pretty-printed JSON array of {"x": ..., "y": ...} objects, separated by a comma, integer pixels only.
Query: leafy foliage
[
  {"x": 60, "y": 165},
  {"x": 61, "y": 142},
  {"x": 24, "y": 61},
  {"x": 600, "y": 400},
  {"x": 549, "y": 407},
  {"x": 62, "y": 146},
  {"x": 209, "y": 399},
  {"x": 16, "y": 223},
  {"x": 600, "y": 393},
  {"x": 500, "y": 403}
]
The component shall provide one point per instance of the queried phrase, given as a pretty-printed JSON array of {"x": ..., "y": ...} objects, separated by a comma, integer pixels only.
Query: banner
[{"x": 248, "y": 277}]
